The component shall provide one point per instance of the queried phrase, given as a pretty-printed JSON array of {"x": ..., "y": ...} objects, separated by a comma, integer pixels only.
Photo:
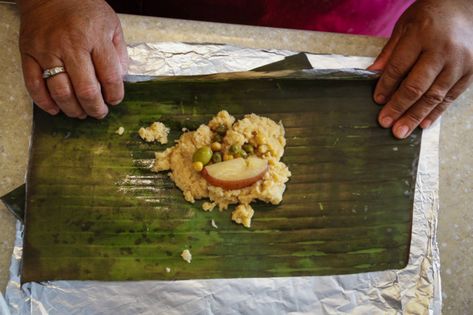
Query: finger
[
  {"x": 419, "y": 80},
  {"x": 431, "y": 99},
  {"x": 402, "y": 59},
  {"x": 451, "y": 96},
  {"x": 120, "y": 46},
  {"x": 61, "y": 90},
  {"x": 36, "y": 86},
  {"x": 386, "y": 52},
  {"x": 109, "y": 73},
  {"x": 86, "y": 87}
]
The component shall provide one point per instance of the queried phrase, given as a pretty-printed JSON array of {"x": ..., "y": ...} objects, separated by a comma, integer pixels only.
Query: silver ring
[{"x": 51, "y": 72}]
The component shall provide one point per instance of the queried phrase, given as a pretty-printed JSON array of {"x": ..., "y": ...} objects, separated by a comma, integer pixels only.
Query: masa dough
[{"x": 252, "y": 129}]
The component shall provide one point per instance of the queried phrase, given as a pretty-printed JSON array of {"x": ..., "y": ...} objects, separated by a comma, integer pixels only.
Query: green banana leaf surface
[
  {"x": 95, "y": 211},
  {"x": 14, "y": 201}
]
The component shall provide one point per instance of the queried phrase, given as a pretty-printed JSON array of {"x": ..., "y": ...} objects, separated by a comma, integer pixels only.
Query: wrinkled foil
[{"x": 413, "y": 290}]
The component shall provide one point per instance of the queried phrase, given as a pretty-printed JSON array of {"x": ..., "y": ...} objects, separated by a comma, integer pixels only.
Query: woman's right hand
[{"x": 83, "y": 36}]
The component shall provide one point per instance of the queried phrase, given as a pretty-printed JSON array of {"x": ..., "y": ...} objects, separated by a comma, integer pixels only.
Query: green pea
[
  {"x": 234, "y": 149},
  {"x": 217, "y": 138},
  {"x": 217, "y": 157},
  {"x": 248, "y": 148},
  {"x": 242, "y": 154},
  {"x": 202, "y": 155},
  {"x": 221, "y": 130}
]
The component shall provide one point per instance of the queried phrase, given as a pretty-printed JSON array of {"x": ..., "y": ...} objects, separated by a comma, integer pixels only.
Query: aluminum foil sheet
[
  {"x": 412, "y": 290},
  {"x": 188, "y": 59}
]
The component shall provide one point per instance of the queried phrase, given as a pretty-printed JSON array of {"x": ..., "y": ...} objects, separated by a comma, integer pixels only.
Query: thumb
[{"x": 386, "y": 52}]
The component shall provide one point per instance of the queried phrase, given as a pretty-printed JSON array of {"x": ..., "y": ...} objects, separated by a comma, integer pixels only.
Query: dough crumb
[
  {"x": 156, "y": 132},
  {"x": 208, "y": 206},
  {"x": 214, "y": 225},
  {"x": 120, "y": 131},
  {"x": 188, "y": 196},
  {"x": 243, "y": 215},
  {"x": 186, "y": 255},
  {"x": 168, "y": 270}
]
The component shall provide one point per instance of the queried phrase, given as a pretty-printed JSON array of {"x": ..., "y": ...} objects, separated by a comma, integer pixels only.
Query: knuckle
[
  {"x": 449, "y": 47},
  {"x": 34, "y": 86},
  {"x": 442, "y": 107},
  {"x": 397, "y": 108},
  {"x": 457, "y": 90},
  {"x": 416, "y": 116},
  {"x": 394, "y": 70},
  {"x": 112, "y": 79},
  {"x": 42, "y": 102},
  {"x": 435, "y": 114},
  {"x": 28, "y": 42},
  {"x": 87, "y": 93},
  {"x": 61, "y": 95},
  {"x": 412, "y": 91},
  {"x": 454, "y": 46},
  {"x": 450, "y": 98},
  {"x": 73, "y": 36},
  {"x": 433, "y": 97}
]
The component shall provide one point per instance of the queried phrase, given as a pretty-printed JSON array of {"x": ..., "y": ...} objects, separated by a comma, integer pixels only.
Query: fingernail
[
  {"x": 114, "y": 103},
  {"x": 426, "y": 123},
  {"x": 402, "y": 131},
  {"x": 386, "y": 122},
  {"x": 373, "y": 67},
  {"x": 380, "y": 98},
  {"x": 53, "y": 111},
  {"x": 102, "y": 116}
]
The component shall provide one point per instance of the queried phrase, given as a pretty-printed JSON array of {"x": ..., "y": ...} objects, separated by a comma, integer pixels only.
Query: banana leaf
[
  {"x": 298, "y": 61},
  {"x": 94, "y": 210},
  {"x": 15, "y": 200}
]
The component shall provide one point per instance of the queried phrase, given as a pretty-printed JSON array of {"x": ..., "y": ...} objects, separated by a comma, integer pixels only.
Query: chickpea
[
  {"x": 262, "y": 149},
  {"x": 260, "y": 140},
  {"x": 198, "y": 166},
  {"x": 216, "y": 146},
  {"x": 227, "y": 157}
]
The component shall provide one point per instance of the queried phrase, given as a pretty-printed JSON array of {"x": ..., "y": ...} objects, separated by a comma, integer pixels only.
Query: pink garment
[{"x": 366, "y": 17}]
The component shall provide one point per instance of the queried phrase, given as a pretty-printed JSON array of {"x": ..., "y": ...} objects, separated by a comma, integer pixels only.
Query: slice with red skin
[{"x": 235, "y": 174}]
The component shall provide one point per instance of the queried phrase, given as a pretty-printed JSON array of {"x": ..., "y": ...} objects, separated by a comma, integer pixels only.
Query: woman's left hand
[{"x": 427, "y": 63}]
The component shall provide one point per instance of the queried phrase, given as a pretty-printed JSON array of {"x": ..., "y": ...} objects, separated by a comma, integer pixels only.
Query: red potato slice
[{"x": 235, "y": 174}]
